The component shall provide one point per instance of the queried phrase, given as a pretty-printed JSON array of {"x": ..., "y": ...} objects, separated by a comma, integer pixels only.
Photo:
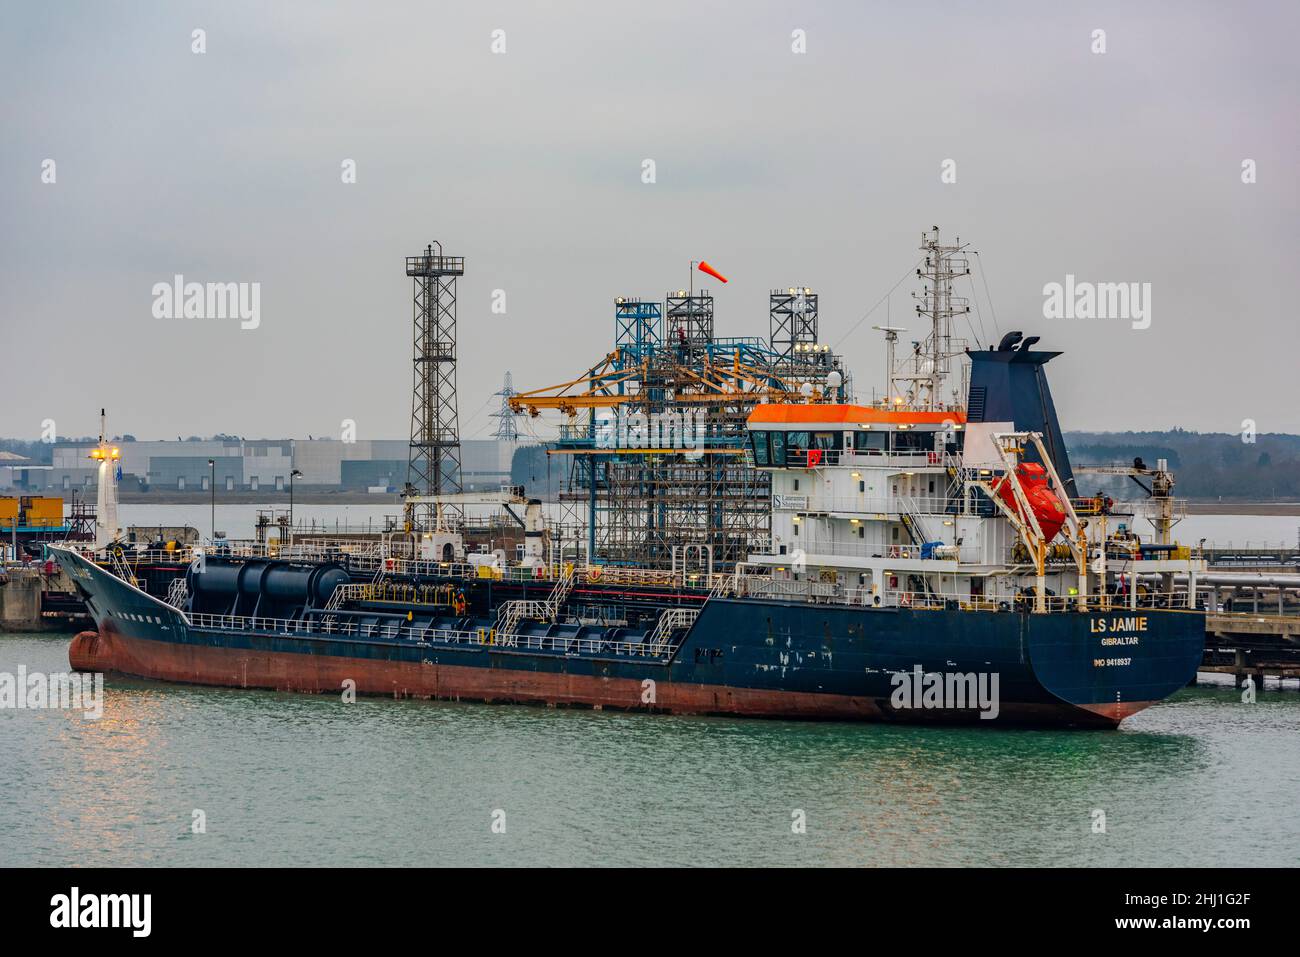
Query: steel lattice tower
[
  {"x": 506, "y": 430},
  {"x": 433, "y": 467},
  {"x": 689, "y": 321},
  {"x": 793, "y": 322}
]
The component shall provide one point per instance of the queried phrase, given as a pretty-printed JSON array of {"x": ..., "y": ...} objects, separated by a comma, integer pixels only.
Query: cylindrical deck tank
[{"x": 285, "y": 583}]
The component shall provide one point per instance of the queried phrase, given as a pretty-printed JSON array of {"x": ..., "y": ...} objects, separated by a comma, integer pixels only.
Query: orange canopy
[{"x": 847, "y": 415}]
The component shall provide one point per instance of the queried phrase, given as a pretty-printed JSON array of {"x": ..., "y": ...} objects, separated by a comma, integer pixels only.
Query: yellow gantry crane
[{"x": 703, "y": 382}]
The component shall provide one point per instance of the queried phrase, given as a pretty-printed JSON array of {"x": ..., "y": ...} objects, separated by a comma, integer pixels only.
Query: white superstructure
[{"x": 894, "y": 506}]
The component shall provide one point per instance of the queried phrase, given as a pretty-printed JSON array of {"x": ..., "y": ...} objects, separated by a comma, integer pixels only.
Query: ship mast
[
  {"x": 891, "y": 343},
  {"x": 930, "y": 364}
]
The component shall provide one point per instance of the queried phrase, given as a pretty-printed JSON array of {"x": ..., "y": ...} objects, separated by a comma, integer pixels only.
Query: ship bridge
[
  {"x": 863, "y": 489},
  {"x": 788, "y": 436}
]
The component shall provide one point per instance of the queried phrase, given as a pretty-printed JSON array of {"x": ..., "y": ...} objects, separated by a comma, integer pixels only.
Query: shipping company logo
[
  {"x": 37, "y": 691},
  {"x": 658, "y": 430},
  {"x": 946, "y": 691},
  {"x": 1098, "y": 300},
  {"x": 179, "y": 299},
  {"x": 73, "y": 910}
]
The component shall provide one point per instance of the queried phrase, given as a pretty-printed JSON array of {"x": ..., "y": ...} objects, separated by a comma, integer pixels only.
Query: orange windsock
[{"x": 705, "y": 267}]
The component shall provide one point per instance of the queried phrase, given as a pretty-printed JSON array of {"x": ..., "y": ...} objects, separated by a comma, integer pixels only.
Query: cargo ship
[{"x": 928, "y": 561}]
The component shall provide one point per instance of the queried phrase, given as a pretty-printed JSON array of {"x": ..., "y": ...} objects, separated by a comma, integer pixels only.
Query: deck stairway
[
  {"x": 907, "y": 513},
  {"x": 334, "y": 604},
  {"x": 511, "y": 613},
  {"x": 121, "y": 569},
  {"x": 670, "y": 622},
  {"x": 177, "y": 592},
  {"x": 724, "y": 586}
]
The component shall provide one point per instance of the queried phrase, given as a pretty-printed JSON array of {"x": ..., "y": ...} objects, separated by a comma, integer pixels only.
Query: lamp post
[
  {"x": 292, "y": 475},
  {"x": 212, "y": 487}
]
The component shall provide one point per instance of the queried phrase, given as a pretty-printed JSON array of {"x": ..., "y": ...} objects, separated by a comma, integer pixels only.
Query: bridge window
[
  {"x": 778, "y": 449},
  {"x": 798, "y": 443},
  {"x": 866, "y": 441},
  {"x": 913, "y": 441},
  {"x": 758, "y": 444}
]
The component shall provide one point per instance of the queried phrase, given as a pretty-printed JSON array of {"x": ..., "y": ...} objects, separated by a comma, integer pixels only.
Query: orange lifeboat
[{"x": 1042, "y": 500}]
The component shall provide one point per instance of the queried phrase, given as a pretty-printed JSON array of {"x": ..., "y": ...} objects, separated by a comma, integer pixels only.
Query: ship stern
[{"x": 1113, "y": 664}]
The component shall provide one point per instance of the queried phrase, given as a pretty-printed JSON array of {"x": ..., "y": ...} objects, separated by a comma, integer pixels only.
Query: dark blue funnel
[{"x": 1009, "y": 385}]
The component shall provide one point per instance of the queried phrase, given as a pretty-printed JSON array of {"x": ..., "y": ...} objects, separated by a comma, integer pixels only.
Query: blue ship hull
[{"x": 741, "y": 656}]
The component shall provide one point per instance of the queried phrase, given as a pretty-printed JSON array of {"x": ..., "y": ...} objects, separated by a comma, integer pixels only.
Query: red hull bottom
[
  {"x": 115, "y": 653},
  {"x": 1119, "y": 710}
]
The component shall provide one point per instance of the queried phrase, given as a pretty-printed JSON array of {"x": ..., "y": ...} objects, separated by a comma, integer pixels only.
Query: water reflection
[{"x": 296, "y": 779}]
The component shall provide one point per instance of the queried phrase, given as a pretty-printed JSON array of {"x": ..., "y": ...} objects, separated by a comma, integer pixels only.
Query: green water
[{"x": 306, "y": 780}]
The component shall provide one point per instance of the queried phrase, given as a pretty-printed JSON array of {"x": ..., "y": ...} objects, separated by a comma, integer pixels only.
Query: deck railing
[
  {"x": 718, "y": 585},
  {"x": 868, "y": 458},
  {"x": 324, "y": 630},
  {"x": 814, "y": 591},
  {"x": 969, "y": 554},
  {"x": 889, "y": 506}
]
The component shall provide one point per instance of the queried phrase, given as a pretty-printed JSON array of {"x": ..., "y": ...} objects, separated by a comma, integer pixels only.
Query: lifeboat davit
[{"x": 1042, "y": 500}]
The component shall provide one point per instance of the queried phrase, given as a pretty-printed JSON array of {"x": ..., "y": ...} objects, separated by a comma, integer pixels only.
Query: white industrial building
[{"x": 264, "y": 464}]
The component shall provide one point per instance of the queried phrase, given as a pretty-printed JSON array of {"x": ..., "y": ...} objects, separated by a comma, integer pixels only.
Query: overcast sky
[{"x": 780, "y": 168}]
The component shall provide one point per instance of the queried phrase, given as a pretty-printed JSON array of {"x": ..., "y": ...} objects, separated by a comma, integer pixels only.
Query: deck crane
[{"x": 1160, "y": 491}]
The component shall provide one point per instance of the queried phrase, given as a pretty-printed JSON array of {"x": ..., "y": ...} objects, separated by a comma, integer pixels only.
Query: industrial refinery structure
[{"x": 654, "y": 430}]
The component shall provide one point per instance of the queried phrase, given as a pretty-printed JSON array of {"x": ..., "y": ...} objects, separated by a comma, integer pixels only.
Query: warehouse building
[{"x": 262, "y": 464}]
